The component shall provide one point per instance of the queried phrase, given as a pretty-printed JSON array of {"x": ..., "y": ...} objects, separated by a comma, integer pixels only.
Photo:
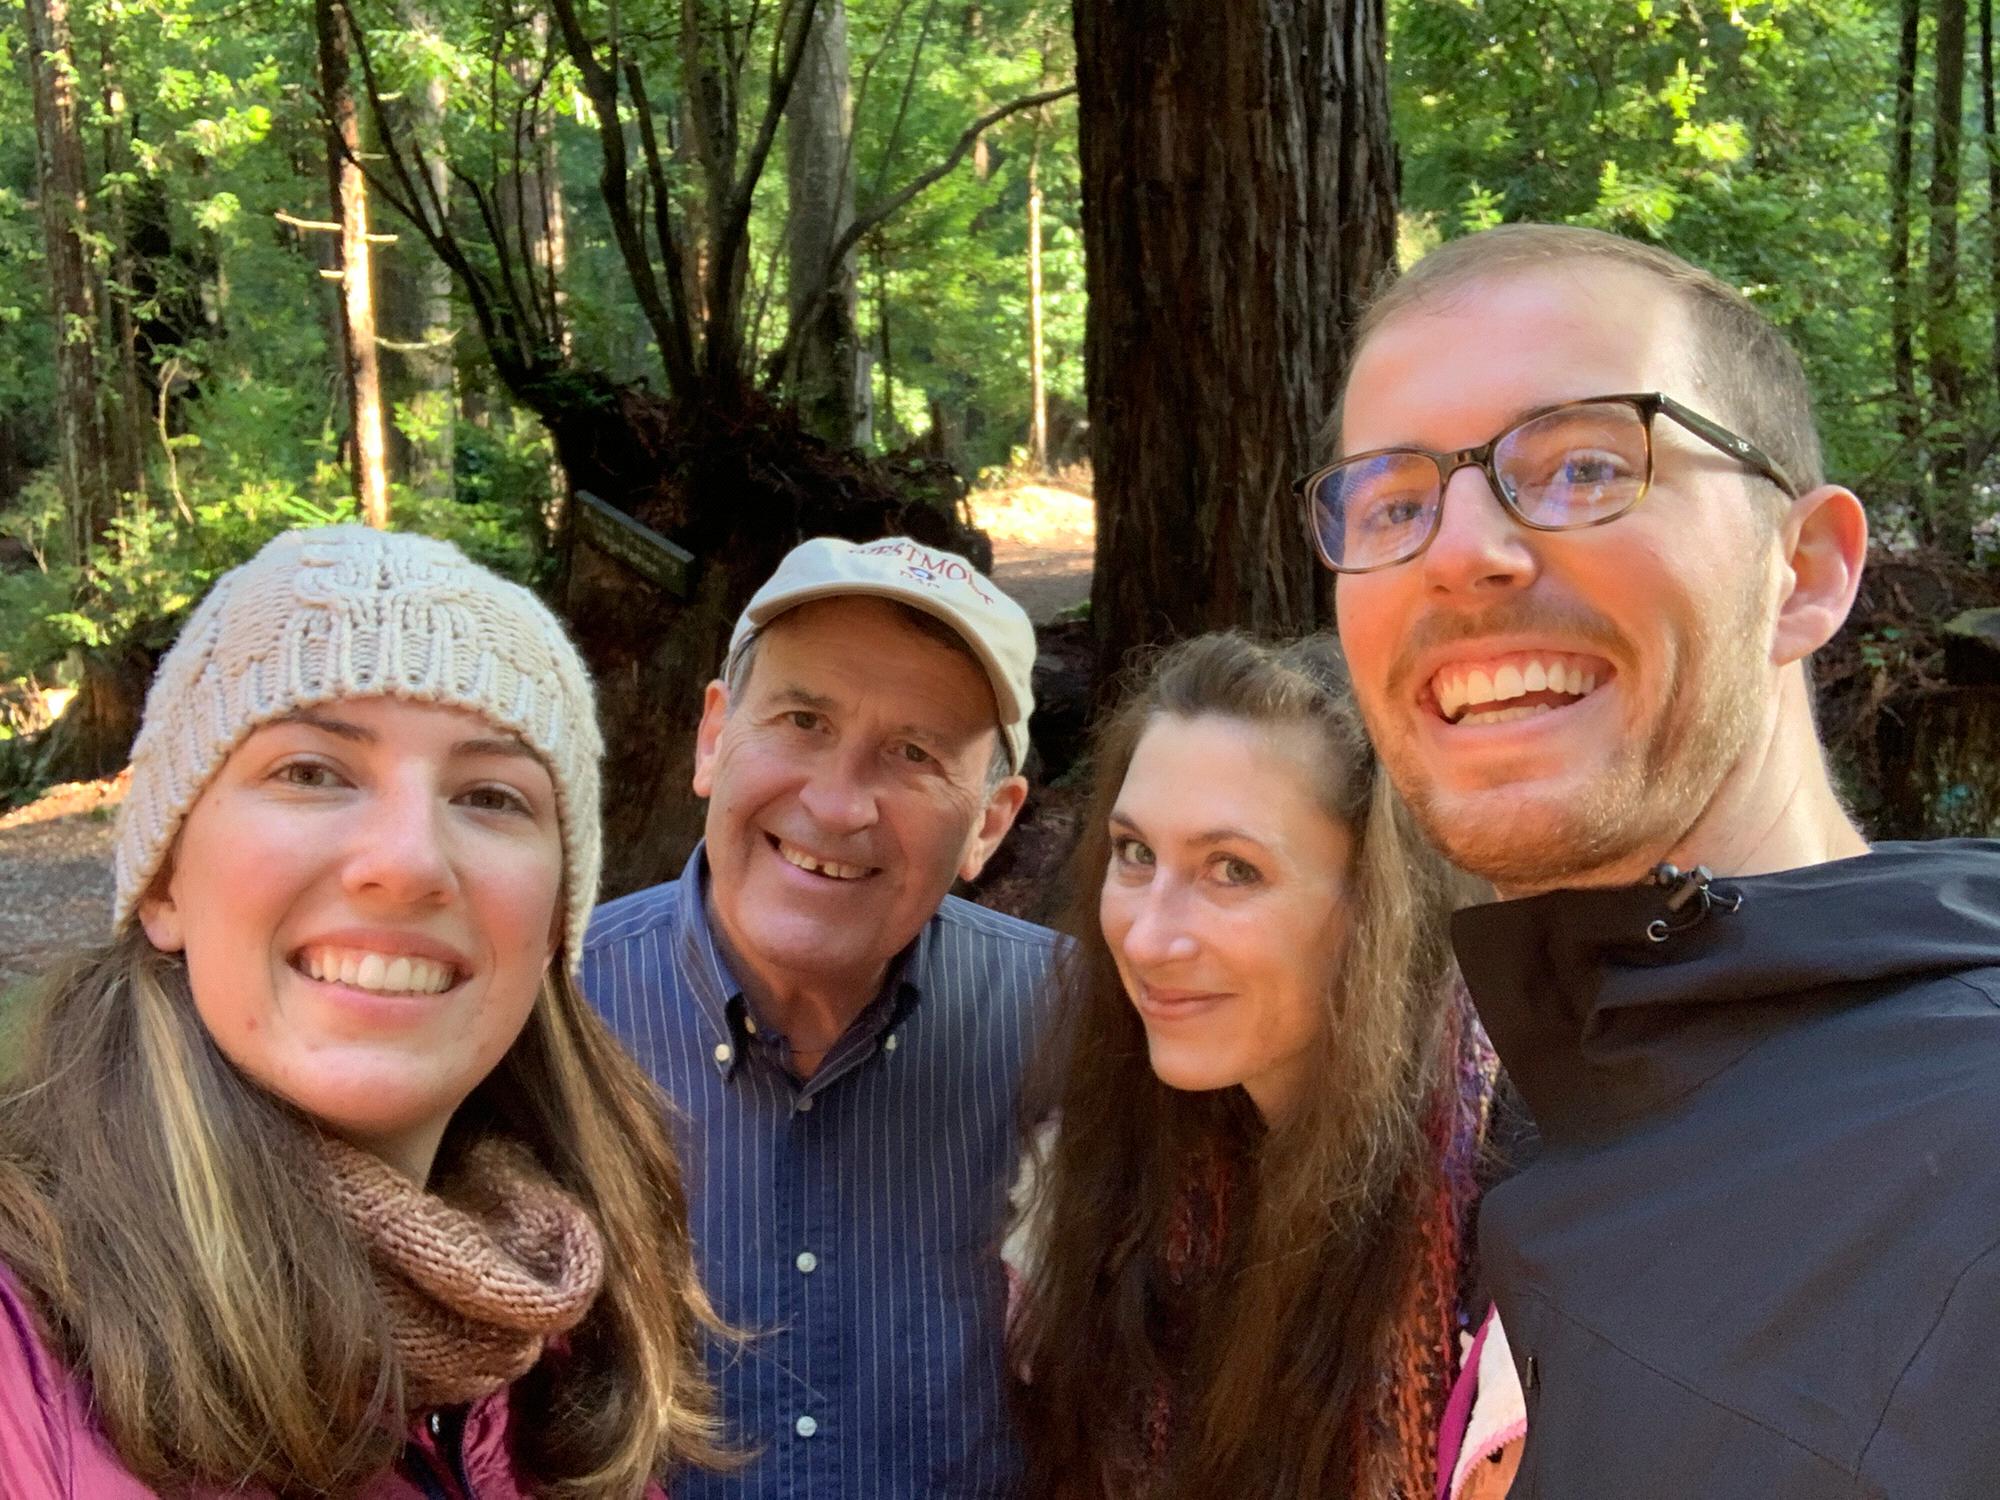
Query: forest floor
[
  {"x": 55, "y": 875},
  {"x": 1043, "y": 536},
  {"x": 55, "y": 853}
]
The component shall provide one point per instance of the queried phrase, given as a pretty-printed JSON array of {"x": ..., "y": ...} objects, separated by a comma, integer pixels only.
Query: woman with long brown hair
[
  {"x": 1260, "y": 1112},
  {"x": 321, "y": 1179}
]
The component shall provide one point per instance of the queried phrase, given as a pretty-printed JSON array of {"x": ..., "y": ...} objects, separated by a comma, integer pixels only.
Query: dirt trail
[
  {"x": 1043, "y": 538},
  {"x": 55, "y": 875}
]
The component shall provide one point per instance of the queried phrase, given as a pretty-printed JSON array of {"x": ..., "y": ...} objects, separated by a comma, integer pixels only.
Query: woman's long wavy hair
[
  {"x": 226, "y": 1320},
  {"x": 1280, "y": 1344}
]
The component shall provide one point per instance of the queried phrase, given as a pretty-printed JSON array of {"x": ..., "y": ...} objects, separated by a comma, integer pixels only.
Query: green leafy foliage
[{"x": 1753, "y": 139}]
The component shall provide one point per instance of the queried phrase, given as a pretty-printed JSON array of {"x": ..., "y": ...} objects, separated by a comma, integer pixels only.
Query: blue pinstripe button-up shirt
[{"x": 852, "y": 1221}]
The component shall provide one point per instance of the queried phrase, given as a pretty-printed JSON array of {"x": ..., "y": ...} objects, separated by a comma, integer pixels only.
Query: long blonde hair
[
  {"x": 1284, "y": 1338},
  {"x": 226, "y": 1320}
]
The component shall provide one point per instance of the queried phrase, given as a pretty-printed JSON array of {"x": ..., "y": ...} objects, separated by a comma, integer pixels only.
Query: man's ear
[
  {"x": 1825, "y": 540},
  {"x": 160, "y": 914},
  {"x": 1002, "y": 807},
  {"x": 714, "y": 709}
]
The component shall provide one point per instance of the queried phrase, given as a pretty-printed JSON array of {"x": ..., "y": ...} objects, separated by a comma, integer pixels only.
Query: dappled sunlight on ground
[
  {"x": 1043, "y": 538},
  {"x": 1030, "y": 514}
]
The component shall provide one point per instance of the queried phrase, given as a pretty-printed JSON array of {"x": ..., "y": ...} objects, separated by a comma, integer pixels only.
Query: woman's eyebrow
[
  {"x": 505, "y": 744},
  {"x": 1228, "y": 833},
  {"x": 498, "y": 744},
  {"x": 1222, "y": 834},
  {"x": 341, "y": 727}
]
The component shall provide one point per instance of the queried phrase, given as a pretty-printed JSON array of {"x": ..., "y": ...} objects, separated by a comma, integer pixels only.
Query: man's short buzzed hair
[{"x": 1749, "y": 368}]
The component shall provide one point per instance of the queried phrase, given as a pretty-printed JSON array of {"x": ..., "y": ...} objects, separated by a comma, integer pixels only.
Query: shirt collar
[{"x": 720, "y": 995}]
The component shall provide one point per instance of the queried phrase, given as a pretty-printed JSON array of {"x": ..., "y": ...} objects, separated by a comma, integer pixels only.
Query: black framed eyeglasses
[{"x": 1559, "y": 468}]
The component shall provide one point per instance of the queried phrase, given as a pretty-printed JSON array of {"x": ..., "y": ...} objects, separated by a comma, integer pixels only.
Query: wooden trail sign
[{"x": 638, "y": 546}]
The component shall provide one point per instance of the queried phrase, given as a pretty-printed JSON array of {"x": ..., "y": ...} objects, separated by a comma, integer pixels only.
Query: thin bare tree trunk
[
  {"x": 126, "y": 413},
  {"x": 367, "y": 444},
  {"x": 888, "y": 429},
  {"x": 819, "y": 184},
  {"x": 1902, "y": 295},
  {"x": 413, "y": 317},
  {"x": 531, "y": 209},
  {"x": 1038, "y": 395},
  {"x": 80, "y": 436},
  {"x": 1951, "y": 524},
  {"x": 1987, "y": 122}
]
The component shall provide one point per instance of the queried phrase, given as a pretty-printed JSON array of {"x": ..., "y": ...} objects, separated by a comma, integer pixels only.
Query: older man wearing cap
[{"x": 844, "y": 1036}]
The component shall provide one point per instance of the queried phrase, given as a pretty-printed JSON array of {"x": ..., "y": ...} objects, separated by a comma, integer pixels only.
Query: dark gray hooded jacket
[{"x": 1758, "y": 1253}]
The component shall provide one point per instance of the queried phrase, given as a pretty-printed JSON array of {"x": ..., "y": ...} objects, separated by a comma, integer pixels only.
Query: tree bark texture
[
  {"x": 348, "y": 191},
  {"x": 80, "y": 433},
  {"x": 819, "y": 185},
  {"x": 1238, "y": 204},
  {"x": 1902, "y": 295}
]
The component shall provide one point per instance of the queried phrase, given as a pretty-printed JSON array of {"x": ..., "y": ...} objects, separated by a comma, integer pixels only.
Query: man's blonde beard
[{"x": 1647, "y": 800}]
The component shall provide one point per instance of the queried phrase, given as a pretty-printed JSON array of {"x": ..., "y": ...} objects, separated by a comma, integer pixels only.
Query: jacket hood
[{"x": 1606, "y": 1003}]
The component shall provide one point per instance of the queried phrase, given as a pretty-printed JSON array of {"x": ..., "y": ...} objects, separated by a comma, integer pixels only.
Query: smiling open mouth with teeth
[
  {"x": 792, "y": 854},
  {"x": 1521, "y": 685},
  {"x": 380, "y": 973}
]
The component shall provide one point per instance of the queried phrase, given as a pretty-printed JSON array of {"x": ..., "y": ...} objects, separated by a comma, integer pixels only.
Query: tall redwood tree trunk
[
  {"x": 93, "y": 737},
  {"x": 81, "y": 443},
  {"x": 1239, "y": 189}
]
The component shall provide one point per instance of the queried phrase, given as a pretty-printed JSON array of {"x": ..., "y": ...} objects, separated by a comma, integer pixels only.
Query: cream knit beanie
[{"x": 349, "y": 612}]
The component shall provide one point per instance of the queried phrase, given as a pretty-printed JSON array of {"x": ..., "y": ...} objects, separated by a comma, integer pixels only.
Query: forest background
[{"x": 743, "y": 270}]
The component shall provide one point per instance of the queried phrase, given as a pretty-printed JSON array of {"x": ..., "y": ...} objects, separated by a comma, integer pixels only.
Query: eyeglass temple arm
[{"x": 1740, "y": 448}]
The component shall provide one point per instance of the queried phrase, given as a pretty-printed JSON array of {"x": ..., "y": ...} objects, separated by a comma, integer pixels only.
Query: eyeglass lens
[{"x": 1572, "y": 467}]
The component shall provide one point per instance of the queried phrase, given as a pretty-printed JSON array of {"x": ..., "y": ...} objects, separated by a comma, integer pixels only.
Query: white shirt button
[
  {"x": 804, "y": 1103},
  {"x": 750, "y": 1024},
  {"x": 807, "y": 1262},
  {"x": 723, "y": 1052},
  {"x": 889, "y": 1042},
  {"x": 805, "y": 1427}
]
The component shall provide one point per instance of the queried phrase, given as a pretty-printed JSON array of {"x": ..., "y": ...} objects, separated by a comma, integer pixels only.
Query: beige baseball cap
[{"x": 931, "y": 579}]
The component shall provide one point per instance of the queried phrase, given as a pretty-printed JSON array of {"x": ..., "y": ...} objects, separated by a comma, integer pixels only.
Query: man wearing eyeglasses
[{"x": 1585, "y": 549}]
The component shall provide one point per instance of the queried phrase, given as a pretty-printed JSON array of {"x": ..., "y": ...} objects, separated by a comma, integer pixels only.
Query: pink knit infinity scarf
[{"x": 477, "y": 1275}]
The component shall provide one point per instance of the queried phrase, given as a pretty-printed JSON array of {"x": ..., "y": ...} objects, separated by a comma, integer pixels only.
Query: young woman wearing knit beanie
[
  {"x": 321, "y": 1179},
  {"x": 1243, "y": 1243}
]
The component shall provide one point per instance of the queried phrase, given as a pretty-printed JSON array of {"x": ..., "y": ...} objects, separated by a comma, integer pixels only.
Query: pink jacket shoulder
[{"x": 50, "y": 1447}]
